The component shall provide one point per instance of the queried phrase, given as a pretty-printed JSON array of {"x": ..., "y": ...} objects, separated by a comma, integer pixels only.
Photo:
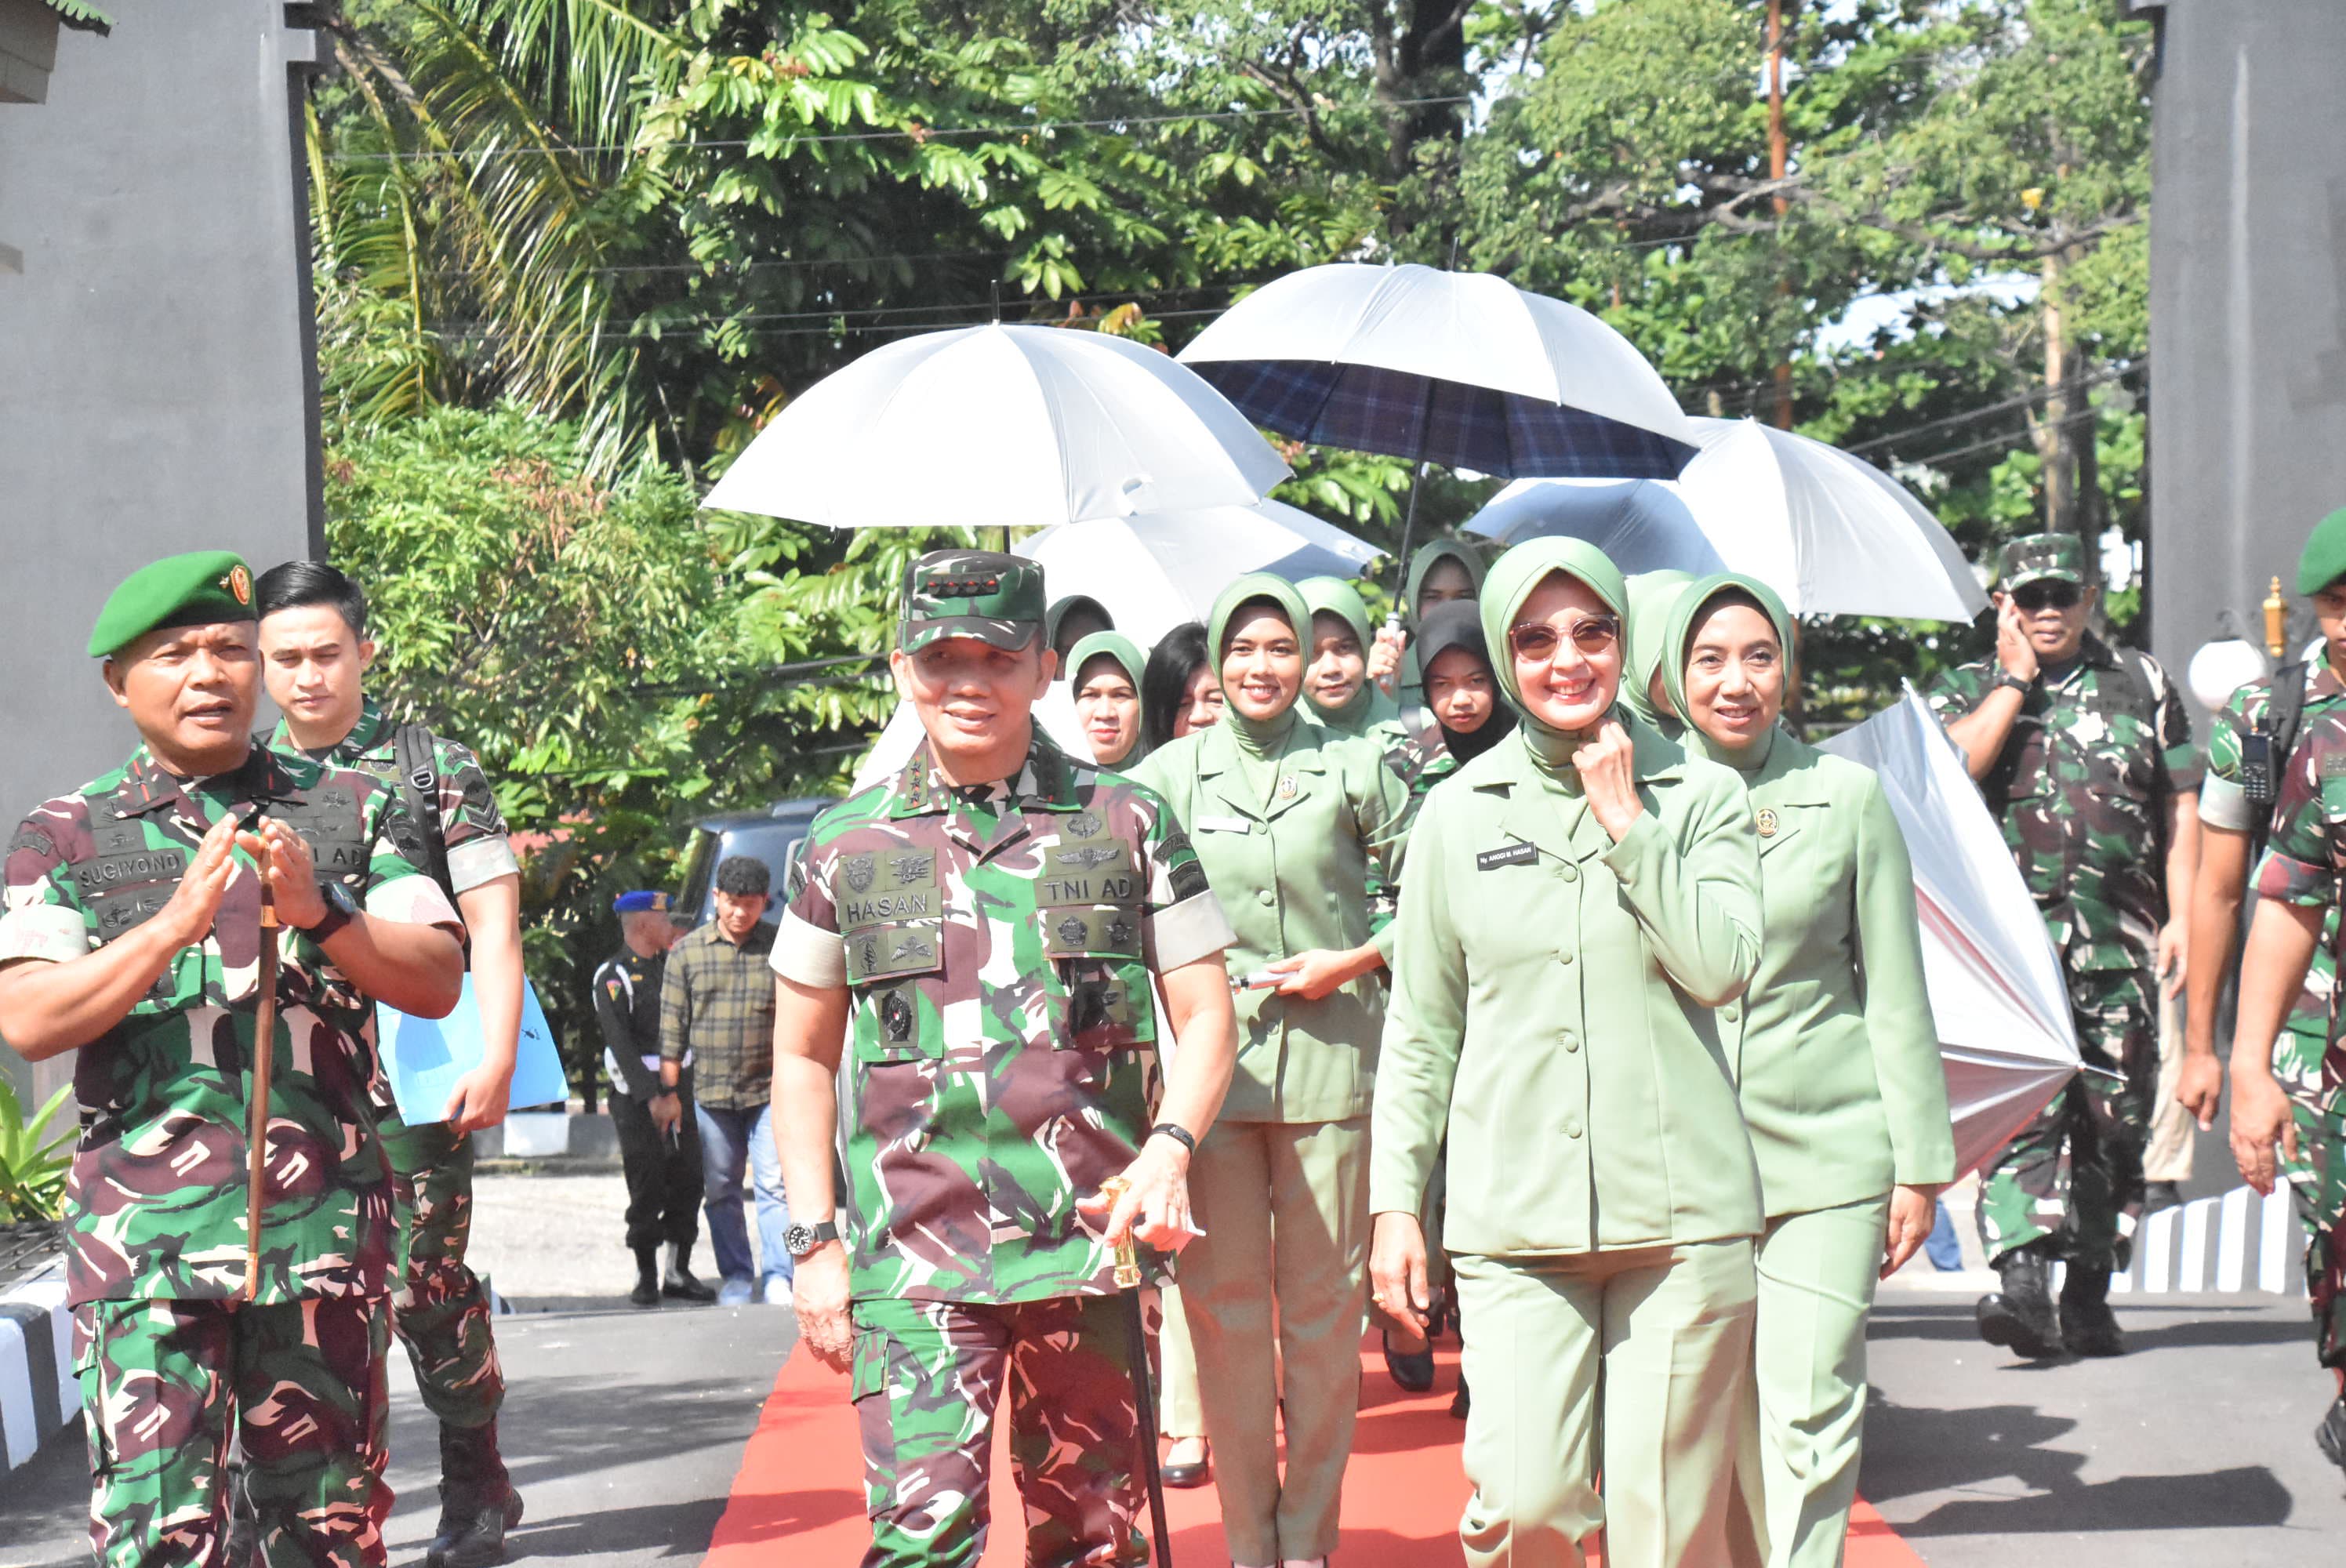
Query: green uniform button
[
  {"x": 1730, "y": 1013},
  {"x": 1266, "y": 895},
  {"x": 1571, "y": 1041},
  {"x": 1570, "y": 873},
  {"x": 1572, "y": 1128},
  {"x": 1564, "y": 955}
]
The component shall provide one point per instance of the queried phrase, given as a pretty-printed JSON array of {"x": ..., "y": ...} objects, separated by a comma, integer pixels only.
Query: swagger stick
[
  {"x": 256, "y": 1120},
  {"x": 1136, "y": 1333}
]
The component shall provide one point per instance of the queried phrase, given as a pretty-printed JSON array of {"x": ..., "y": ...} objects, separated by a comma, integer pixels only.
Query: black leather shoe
[
  {"x": 1184, "y": 1476},
  {"x": 646, "y": 1292},
  {"x": 2019, "y": 1316},
  {"x": 2331, "y": 1433},
  {"x": 2088, "y": 1326},
  {"x": 1413, "y": 1370},
  {"x": 679, "y": 1285},
  {"x": 1461, "y": 1402}
]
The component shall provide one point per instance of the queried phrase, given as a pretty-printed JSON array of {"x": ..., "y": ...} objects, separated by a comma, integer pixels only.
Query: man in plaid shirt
[{"x": 717, "y": 1006}]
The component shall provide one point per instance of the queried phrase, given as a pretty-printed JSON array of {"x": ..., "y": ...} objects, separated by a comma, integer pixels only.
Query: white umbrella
[
  {"x": 1832, "y": 533},
  {"x": 2002, "y": 1013},
  {"x": 1015, "y": 426},
  {"x": 1154, "y": 571}
]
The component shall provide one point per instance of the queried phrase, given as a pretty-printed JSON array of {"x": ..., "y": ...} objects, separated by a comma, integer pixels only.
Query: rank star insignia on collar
[{"x": 1766, "y": 821}]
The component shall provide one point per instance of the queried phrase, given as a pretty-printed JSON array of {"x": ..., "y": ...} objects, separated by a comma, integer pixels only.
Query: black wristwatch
[
  {"x": 341, "y": 910},
  {"x": 2005, "y": 677},
  {"x": 802, "y": 1239},
  {"x": 1178, "y": 1133}
]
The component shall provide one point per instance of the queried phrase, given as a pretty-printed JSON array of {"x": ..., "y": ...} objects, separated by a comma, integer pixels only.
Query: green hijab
[
  {"x": 1652, "y": 597},
  {"x": 1512, "y": 579},
  {"x": 1128, "y": 658},
  {"x": 1683, "y": 615},
  {"x": 1422, "y": 565},
  {"x": 1370, "y": 705},
  {"x": 1258, "y": 740}
]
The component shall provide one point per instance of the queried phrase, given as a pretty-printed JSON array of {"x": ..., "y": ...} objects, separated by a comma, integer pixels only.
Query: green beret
[
  {"x": 998, "y": 600},
  {"x": 191, "y": 590},
  {"x": 2323, "y": 561},
  {"x": 2041, "y": 557}
]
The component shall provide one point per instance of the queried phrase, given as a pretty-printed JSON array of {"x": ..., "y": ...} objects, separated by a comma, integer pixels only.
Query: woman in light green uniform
[
  {"x": 1441, "y": 572},
  {"x": 1336, "y": 675},
  {"x": 1652, "y": 597},
  {"x": 1837, "y": 1065},
  {"x": 1573, "y": 894},
  {"x": 1103, "y": 674},
  {"x": 1300, "y": 827}
]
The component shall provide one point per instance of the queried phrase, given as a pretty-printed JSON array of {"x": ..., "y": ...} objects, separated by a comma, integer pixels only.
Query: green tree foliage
[{"x": 35, "y": 1155}]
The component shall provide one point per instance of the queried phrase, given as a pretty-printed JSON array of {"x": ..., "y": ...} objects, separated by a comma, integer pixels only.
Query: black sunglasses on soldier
[
  {"x": 2038, "y": 596},
  {"x": 1536, "y": 640}
]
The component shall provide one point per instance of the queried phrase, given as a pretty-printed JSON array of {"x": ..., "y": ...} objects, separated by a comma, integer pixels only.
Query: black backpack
[{"x": 419, "y": 791}]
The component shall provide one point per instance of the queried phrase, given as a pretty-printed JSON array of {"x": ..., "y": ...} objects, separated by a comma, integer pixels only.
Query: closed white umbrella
[
  {"x": 1832, "y": 533},
  {"x": 2004, "y": 1028},
  {"x": 1000, "y": 426},
  {"x": 1154, "y": 571}
]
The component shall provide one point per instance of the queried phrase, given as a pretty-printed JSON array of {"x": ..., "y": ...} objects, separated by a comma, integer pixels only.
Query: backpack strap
[{"x": 419, "y": 789}]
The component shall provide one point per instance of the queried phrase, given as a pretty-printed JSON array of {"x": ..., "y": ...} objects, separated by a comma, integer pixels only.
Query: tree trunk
[
  {"x": 1780, "y": 158},
  {"x": 2055, "y": 444}
]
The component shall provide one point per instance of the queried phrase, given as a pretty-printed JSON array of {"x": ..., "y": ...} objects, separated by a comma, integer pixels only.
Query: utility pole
[{"x": 1779, "y": 164}]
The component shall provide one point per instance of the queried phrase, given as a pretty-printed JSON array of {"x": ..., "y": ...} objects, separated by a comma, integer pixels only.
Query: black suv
[{"x": 772, "y": 835}]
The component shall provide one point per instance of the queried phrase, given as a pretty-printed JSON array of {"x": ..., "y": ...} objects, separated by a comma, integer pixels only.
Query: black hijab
[{"x": 1459, "y": 624}]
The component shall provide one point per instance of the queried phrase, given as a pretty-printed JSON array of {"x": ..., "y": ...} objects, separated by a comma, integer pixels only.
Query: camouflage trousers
[
  {"x": 2322, "y": 1206},
  {"x": 300, "y": 1383},
  {"x": 2073, "y": 1174},
  {"x": 440, "y": 1309},
  {"x": 928, "y": 1378}
]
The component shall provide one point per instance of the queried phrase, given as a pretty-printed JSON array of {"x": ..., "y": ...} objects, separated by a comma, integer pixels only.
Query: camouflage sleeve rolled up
[
  {"x": 1958, "y": 690},
  {"x": 2302, "y": 866},
  {"x": 473, "y": 827},
  {"x": 2223, "y": 802}
]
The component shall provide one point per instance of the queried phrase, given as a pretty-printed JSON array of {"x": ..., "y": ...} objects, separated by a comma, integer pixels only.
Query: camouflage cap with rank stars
[
  {"x": 197, "y": 589},
  {"x": 2041, "y": 559},
  {"x": 998, "y": 600}
]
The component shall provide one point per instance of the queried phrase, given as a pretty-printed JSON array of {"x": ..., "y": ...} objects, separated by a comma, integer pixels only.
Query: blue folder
[{"x": 423, "y": 1057}]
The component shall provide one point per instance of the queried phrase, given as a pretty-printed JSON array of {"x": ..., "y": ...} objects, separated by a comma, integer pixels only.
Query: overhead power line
[
  {"x": 2039, "y": 395},
  {"x": 914, "y": 133}
]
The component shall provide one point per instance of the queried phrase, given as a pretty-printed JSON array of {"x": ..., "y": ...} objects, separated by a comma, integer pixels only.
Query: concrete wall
[
  {"x": 2248, "y": 373},
  {"x": 156, "y": 363}
]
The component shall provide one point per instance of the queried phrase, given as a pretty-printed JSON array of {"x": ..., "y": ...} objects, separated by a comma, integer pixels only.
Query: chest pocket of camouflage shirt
[
  {"x": 124, "y": 882},
  {"x": 890, "y": 918},
  {"x": 1088, "y": 909},
  {"x": 2105, "y": 736}
]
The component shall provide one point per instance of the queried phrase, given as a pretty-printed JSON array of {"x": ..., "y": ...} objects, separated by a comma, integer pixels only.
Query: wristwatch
[
  {"x": 341, "y": 910},
  {"x": 2005, "y": 677},
  {"x": 802, "y": 1239},
  {"x": 1178, "y": 1133}
]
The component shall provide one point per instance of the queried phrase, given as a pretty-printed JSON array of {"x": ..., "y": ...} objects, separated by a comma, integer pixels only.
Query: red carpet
[{"x": 801, "y": 1482}]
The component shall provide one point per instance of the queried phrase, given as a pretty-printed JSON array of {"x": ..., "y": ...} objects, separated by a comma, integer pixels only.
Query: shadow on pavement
[{"x": 2147, "y": 1327}]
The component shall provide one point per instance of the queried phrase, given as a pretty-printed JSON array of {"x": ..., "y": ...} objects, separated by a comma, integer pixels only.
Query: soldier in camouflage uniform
[
  {"x": 984, "y": 925},
  {"x": 315, "y": 652},
  {"x": 132, "y": 937},
  {"x": 2281, "y": 1128},
  {"x": 2083, "y": 752}
]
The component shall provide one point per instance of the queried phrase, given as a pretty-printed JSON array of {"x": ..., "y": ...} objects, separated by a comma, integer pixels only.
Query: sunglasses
[
  {"x": 2038, "y": 596},
  {"x": 1536, "y": 641}
]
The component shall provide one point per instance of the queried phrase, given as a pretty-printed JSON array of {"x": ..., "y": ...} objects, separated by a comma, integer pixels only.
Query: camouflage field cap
[
  {"x": 998, "y": 600},
  {"x": 2040, "y": 558},
  {"x": 191, "y": 590}
]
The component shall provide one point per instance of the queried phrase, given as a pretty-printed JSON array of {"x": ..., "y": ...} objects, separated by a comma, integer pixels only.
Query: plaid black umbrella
[{"x": 1368, "y": 408}]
